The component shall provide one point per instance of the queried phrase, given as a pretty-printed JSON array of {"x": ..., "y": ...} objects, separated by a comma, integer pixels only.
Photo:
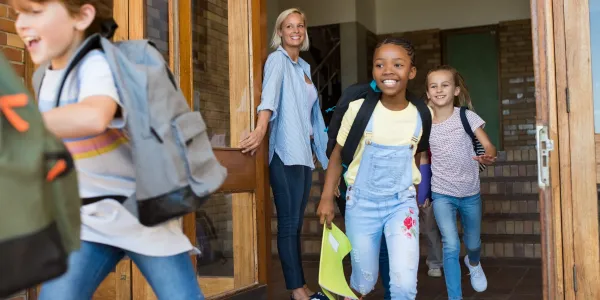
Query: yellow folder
[{"x": 334, "y": 247}]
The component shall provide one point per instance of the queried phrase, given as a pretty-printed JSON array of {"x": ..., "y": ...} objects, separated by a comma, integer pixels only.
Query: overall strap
[
  {"x": 417, "y": 133},
  {"x": 369, "y": 131}
]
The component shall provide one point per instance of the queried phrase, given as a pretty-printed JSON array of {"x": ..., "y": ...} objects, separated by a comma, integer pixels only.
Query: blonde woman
[{"x": 289, "y": 104}]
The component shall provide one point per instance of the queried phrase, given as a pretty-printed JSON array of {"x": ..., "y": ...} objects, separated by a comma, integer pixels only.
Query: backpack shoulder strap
[
  {"x": 465, "y": 122},
  {"x": 358, "y": 126},
  {"x": 426, "y": 120},
  {"x": 351, "y": 93},
  {"x": 93, "y": 42},
  {"x": 38, "y": 78}
]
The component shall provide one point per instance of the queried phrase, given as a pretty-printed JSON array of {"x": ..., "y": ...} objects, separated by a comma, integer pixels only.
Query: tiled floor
[{"x": 507, "y": 280}]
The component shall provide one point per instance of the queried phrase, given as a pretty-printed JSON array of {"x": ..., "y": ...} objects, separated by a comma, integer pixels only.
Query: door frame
[
  {"x": 569, "y": 201},
  {"x": 584, "y": 194}
]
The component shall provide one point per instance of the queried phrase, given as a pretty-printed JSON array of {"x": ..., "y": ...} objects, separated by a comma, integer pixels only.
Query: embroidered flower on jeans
[
  {"x": 411, "y": 211},
  {"x": 410, "y": 224}
]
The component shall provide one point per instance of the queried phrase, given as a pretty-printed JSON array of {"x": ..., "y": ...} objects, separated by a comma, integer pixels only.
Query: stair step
[
  {"x": 495, "y": 225},
  {"x": 510, "y": 206},
  {"x": 521, "y": 246},
  {"x": 492, "y": 203},
  {"x": 517, "y": 156},
  {"x": 510, "y": 170},
  {"x": 513, "y": 197},
  {"x": 510, "y": 179},
  {"x": 511, "y": 217}
]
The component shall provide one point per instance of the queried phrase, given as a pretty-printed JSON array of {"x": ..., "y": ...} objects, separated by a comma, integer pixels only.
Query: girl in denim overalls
[{"x": 381, "y": 196}]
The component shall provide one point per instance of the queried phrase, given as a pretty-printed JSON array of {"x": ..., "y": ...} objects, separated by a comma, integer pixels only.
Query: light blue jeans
[
  {"x": 367, "y": 219},
  {"x": 445, "y": 209},
  {"x": 171, "y": 277}
]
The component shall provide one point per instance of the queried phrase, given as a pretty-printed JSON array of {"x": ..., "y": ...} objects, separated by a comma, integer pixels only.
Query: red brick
[
  {"x": 13, "y": 54},
  {"x": 7, "y": 26},
  {"x": 4, "y": 11}
]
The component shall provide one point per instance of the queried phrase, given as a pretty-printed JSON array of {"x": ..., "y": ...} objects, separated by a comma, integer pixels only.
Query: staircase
[
  {"x": 510, "y": 225},
  {"x": 324, "y": 56}
]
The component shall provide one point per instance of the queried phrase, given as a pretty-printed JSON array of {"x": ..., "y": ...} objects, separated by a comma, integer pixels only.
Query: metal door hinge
[
  {"x": 575, "y": 278},
  {"x": 544, "y": 145},
  {"x": 568, "y": 100}
]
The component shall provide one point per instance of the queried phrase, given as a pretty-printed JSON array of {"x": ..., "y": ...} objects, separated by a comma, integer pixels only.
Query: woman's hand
[
  {"x": 425, "y": 204},
  {"x": 485, "y": 159},
  {"x": 253, "y": 140},
  {"x": 326, "y": 211}
]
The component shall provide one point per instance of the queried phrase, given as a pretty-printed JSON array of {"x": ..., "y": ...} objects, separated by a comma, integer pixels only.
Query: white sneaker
[
  {"x": 478, "y": 280},
  {"x": 434, "y": 272}
]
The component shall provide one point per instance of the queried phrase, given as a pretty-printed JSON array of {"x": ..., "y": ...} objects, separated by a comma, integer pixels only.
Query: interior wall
[
  {"x": 320, "y": 12},
  {"x": 409, "y": 15}
]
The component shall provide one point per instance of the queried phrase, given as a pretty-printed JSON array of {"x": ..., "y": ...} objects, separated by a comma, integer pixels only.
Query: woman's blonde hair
[{"x": 276, "y": 40}]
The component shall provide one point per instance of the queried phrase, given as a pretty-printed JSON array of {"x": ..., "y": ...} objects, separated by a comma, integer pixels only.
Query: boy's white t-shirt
[{"x": 105, "y": 167}]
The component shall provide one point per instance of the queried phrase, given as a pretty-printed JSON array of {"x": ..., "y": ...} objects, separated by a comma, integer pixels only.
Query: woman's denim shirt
[{"x": 284, "y": 93}]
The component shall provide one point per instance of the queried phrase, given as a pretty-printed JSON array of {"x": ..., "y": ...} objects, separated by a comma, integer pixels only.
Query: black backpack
[
  {"x": 366, "y": 91},
  {"x": 479, "y": 150}
]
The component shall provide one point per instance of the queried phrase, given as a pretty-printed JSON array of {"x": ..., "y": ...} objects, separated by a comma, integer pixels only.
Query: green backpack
[{"x": 39, "y": 197}]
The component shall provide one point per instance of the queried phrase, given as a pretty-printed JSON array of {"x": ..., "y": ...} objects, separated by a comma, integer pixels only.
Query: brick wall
[
  {"x": 157, "y": 25},
  {"x": 517, "y": 85},
  {"x": 211, "y": 67},
  {"x": 11, "y": 45}
]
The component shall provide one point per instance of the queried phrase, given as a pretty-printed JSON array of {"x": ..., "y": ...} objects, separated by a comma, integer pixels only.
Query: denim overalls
[{"x": 383, "y": 200}]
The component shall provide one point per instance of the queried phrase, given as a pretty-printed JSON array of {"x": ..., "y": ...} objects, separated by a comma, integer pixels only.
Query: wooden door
[
  {"x": 582, "y": 53},
  {"x": 565, "y": 111},
  {"x": 216, "y": 49}
]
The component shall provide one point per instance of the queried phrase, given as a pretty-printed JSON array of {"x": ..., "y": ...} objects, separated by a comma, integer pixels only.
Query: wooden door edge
[
  {"x": 263, "y": 210},
  {"x": 544, "y": 64}
]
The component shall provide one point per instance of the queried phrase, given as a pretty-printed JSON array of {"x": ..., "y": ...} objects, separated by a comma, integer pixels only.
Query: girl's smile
[{"x": 441, "y": 88}]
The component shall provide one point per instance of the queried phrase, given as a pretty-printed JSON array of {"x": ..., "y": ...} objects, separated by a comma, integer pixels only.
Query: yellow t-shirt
[{"x": 390, "y": 128}]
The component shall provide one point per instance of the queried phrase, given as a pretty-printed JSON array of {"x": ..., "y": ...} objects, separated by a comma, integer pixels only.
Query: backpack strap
[
  {"x": 465, "y": 122},
  {"x": 93, "y": 42},
  {"x": 38, "y": 78},
  {"x": 358, "y": 127},
  {"x": 351, "y": 93}
]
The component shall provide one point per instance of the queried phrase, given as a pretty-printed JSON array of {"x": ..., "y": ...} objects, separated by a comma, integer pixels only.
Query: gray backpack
[{"x": 175, "y": 167}]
